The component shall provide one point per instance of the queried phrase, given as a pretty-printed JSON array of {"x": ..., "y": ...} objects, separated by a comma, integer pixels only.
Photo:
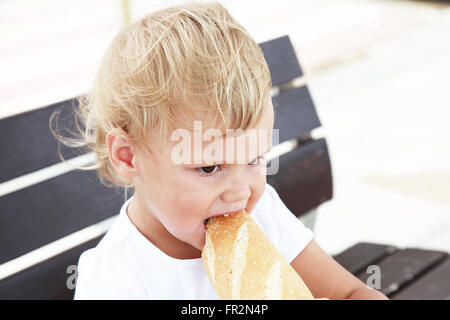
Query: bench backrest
[
  {"x": 50, "y": 214},
  {"x": 304, "y": 179}
]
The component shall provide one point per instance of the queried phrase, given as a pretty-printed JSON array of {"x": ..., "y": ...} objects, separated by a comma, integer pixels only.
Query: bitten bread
[{"x": 242, "y": 263}]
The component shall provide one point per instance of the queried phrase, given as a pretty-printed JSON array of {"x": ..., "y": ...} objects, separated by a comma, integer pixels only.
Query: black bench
[
  {"x": 406, "y": 274},
  {"x": 45, "y": 208},
  {"x": 50, "y": 215}
]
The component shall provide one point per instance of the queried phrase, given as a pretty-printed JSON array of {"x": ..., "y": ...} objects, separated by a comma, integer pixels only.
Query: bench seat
[{"x": 406, "y": 274}]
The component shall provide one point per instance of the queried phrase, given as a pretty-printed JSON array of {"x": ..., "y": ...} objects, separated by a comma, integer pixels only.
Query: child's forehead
[
  {"x": 189, "y": 117},
  {"x": 202, "y": 141},
  {"x": 203, "y": 148},
  {"x": 211, "y": 125},
  {"x": 194, "y": 114}
]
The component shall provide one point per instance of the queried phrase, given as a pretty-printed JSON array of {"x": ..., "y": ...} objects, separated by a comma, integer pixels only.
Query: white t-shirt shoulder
[
  {"x": 125, "y": 265},
  {"x": 103, "y": 272}
]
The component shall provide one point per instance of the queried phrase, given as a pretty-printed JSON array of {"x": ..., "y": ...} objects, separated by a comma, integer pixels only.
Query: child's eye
[{"x": 208, "y": 170}]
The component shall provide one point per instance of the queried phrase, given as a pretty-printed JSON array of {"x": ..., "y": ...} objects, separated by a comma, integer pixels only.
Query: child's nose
[{"x": 236, "y": 193}]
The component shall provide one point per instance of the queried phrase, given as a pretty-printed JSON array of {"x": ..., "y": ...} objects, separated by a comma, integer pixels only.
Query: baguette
[{"x": 242, "y": 263}]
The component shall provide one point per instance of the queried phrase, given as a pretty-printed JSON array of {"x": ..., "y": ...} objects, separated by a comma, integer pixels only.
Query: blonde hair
[{"x": 190, "y": 57}]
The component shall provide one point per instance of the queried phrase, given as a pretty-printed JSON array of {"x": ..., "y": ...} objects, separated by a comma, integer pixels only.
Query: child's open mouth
[{"x": 205, "y": 222}]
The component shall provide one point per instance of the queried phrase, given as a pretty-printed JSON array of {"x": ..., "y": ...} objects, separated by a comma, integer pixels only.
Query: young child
[{"x": 165, "y": 81}]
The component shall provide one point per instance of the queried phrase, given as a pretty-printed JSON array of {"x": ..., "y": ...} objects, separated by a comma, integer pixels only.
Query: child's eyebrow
[
  {"x": 214, "y": 163},
  {"x": 267, "y": 151}
]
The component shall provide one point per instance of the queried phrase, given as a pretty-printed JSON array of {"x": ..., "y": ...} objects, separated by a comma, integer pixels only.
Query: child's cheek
[
  {"x": 258, "y": 188},
  {"x": 191, "y": 203}
]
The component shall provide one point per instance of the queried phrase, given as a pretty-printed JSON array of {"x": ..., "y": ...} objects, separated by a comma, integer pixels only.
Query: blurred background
[{"x": 378, "y": 72}]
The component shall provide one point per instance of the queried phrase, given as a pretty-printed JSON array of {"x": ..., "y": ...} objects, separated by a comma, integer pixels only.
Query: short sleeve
[
  {"x": 291, "y": 235},
  {"x": 100, "y": 279}
]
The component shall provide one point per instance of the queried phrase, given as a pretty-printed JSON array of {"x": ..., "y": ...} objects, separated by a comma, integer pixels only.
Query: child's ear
[{"x": 121, "y": 153}]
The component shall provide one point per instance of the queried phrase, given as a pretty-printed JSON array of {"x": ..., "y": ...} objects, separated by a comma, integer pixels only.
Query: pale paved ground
[{"x": 379, "y": 73}]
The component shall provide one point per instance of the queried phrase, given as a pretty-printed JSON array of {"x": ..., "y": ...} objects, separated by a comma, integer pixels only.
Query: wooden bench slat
[
  {"x": 46, "y": 280},
  {"x": 403, "y": 266},
  {"x": 27, "y": 143},
  {"x": 304, "y": 177},
  {"x": 295, "y": 115},
  {"x": 434, "y": 285},
  {"x": 357, "y": 258},
  {"x": 48, "y": 211},
  {"x": 281, "y": 59}
]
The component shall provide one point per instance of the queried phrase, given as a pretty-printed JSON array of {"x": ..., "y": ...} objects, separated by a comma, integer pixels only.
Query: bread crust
[{"x": 242, "y": 263}]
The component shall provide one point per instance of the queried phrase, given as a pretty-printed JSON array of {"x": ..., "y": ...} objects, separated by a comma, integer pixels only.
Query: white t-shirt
[{"x": 125, "y": 265}]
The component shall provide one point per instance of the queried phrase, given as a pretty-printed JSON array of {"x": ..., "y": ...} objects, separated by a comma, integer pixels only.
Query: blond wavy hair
[{"x": 189, "y": 57}]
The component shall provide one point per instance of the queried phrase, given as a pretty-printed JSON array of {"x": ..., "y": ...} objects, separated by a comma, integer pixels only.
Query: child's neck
[{"x": 155, "y": 232}]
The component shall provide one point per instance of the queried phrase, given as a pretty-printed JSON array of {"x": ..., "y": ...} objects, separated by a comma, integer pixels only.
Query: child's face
[{"x": 177, "y": 198}]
